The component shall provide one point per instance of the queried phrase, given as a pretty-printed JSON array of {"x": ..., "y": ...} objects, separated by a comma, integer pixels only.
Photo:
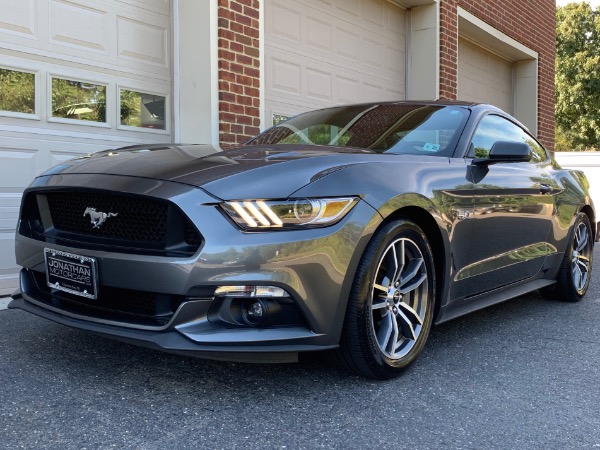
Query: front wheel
[
  {"x": 575, "y": 271},
  {"x": 391, "y": 304}
]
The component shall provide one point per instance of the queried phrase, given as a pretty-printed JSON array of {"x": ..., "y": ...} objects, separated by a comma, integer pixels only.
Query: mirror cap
[{"x": 506, "y": 151}]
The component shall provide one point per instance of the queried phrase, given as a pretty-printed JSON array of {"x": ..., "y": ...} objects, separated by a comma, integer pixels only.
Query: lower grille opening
[{"x": 115, "y": 304}]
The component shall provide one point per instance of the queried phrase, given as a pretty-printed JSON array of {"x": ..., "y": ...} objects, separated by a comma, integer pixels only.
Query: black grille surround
[{"x": 128, "y": 223}]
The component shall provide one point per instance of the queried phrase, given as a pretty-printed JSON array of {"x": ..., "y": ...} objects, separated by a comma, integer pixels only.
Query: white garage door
[
  {"x": 484, "y": 76},
  {"x": 320, "y": 53},
  {"x": 76, "y": 76}
]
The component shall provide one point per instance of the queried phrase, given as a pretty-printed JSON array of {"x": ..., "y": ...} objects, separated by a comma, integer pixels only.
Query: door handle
[{"x": 545, "y": 188}]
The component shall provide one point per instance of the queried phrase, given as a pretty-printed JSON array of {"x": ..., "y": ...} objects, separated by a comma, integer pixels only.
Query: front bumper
[{"x": 315, "y": 266}]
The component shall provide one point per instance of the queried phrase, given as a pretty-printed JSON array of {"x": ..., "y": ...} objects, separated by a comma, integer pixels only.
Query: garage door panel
[
  {"x": 319, "y": 35},
  {"x": 347, "y": 45},
  {"x": 484, "y": 76},
  {"x": 348, "y": 90},
  {"x": 284, "y": 23},
  {"x": 396, "y": 22},
  {"x": 9, "y": 211},
  {"x": 18, "y": 18},
  {"x": 86, "y": 32},
  {"x": 79, "y": 26},
  {"x": 394, "y": 62},
  {"x": 285, "y": 76},
  {"x": 319, "y": 85},
  {"x": 142, "y": 41},
  {"x": 160, "y": 6},
  {"x": 374, "y": 12},
  {"x": 373, "y": 53},
  {"x": 118, "y": 44},
  {"x": 320, "y": 54},
  {"x": 351, "y": 7},
  {"x": 17, "y": 164}
]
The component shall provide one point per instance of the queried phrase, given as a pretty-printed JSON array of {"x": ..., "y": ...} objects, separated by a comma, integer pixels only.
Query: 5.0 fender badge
[{"x": 97, "y": 217}]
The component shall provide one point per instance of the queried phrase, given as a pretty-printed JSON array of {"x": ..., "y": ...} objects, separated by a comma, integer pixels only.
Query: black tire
[
  {"x": 371, "y": 345},
  {"x": 575, "y": 272}
]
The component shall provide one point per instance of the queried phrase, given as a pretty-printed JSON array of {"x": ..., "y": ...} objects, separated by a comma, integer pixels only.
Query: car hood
[{"x": 245, "y": 172}]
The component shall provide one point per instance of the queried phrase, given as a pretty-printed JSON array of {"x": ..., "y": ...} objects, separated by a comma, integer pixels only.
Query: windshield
[{"x": 385, "y": 128}]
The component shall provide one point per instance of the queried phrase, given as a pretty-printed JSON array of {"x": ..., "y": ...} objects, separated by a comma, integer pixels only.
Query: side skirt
[{"x": 466, "y": 306}]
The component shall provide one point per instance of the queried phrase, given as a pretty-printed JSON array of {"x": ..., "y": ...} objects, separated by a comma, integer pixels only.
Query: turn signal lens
[
  {"x": 250, "y": 291},
  {"x": 286, "y": 214}
]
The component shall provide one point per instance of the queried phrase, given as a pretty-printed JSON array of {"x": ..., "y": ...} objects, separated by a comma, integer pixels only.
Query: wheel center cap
[{"x": 396, "y": 296}]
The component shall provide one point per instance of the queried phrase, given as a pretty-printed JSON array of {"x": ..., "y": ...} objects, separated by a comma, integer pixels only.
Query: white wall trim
[
  {"x": 484, "y": 34},
  {"x": 214, "y": 65},
  {"x": 196, "y": 74},
  {"x": 262, "y": 68},
  {"x": 423, "y": 52},
  {"x": 176, "y": 136}
]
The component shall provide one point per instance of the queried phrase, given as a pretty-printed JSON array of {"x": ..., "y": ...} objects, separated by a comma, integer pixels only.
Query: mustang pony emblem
[{"x": 98, "y": 217}]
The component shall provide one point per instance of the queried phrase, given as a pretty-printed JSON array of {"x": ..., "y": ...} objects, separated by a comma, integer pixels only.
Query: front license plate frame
[{"x": 68, "y": 272}]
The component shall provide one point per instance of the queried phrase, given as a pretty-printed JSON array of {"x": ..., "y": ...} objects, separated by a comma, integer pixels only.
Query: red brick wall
[
  {"x": 532, "y": 23},
  {"x": 239, "y": 71}
]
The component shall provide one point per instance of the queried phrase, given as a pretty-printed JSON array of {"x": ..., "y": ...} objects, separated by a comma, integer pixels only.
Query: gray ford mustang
[{"x": 351, "y": 229}]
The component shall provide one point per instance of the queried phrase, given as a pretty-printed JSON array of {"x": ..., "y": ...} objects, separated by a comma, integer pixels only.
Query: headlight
[{"x": 288, "y": 214}]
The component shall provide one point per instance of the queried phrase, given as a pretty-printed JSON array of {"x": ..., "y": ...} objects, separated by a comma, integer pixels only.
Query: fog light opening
[{"x": 259, "y": 311}]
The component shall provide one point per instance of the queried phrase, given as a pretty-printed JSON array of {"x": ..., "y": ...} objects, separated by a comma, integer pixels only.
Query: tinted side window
[{"x": 495, "y": 128}]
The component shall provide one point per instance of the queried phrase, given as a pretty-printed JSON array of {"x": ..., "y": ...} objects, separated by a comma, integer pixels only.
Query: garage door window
[
  {"x": 17, "y": 91},
  {"x": 78, "y": 100},
  {"x": 142, "y": 110}
]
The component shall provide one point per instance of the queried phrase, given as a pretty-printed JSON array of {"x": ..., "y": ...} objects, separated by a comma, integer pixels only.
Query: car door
[{"x": 513, "y": 206}]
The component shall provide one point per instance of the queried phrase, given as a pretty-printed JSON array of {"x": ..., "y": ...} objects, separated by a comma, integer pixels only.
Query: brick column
[
  {"x": 448, "y": 50},
  {"x": 239, "y": 71}
]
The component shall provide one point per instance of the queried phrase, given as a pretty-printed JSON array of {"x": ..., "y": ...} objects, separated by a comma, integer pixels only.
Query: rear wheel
[
  {"x": 575, "y": 271},
  {"x": 391, "y": 304}
]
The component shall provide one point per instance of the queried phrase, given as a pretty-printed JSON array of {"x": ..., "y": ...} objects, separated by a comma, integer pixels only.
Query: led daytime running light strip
[
  {"x": 249, "y": 207},
  {"x": 267, "y": 213}
]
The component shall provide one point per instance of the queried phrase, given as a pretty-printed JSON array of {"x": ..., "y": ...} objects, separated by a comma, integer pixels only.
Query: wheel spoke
[
  {"x": 379, "y": 287},
  {"x": 582, "y": 262},
  {"x": 415, "y": 283},
  {"x": 391, "y": 264},
  {"x": 398, "y": 259},
  {"x": 379, "y": 305},
  {"x": 577, "y": 277},
  {"x": 412, "y": 270},
  {"x": 406, "y": 326},
  {"x": 581, "y": 238},
  {"x": 411, "y": 313},
  {"x": 385, "y": 330},
  {"x": 395, "y": 333}
]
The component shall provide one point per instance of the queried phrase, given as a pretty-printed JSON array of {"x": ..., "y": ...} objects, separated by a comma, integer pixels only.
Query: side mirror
[{"x": 506, "y": 152}]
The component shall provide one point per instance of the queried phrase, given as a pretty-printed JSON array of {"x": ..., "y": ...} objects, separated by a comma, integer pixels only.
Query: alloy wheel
[
  {"x": 580, "y": 261},
  {"x": 399, "y": 298}
]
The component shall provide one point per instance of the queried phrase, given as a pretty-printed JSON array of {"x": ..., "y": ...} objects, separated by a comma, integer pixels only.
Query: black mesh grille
[
  {"x": 156, "y": 307},
  {"x": 96, "y": 219},
  {"x": 192, "y": 237},
  {"x": 136, "y": 218}
]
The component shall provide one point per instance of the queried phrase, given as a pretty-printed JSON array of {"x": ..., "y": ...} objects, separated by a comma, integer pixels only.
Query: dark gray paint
[{"x": 478, "y": 212}]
